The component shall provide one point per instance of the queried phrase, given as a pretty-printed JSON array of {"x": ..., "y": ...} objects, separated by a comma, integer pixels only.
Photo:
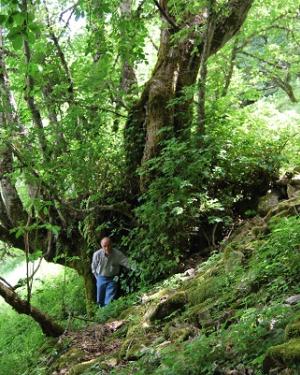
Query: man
[{"x": 105, "y": 267}]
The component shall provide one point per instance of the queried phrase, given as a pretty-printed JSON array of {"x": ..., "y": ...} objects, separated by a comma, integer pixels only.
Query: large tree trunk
[
  {"x": 48, "y": 326},
  {"x": 176, "y": 68}
]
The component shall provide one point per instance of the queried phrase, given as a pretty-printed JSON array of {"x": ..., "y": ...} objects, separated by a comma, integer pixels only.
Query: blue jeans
[{"x": 106, "y": 290}]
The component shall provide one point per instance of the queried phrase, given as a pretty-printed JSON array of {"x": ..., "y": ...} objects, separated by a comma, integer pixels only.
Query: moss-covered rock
[
  {"x": 267, "y": 202},
  {"x": 180, "y": 334},
  {"x": 134, "y": 348},
  {"x": 81, "y": 367},
  {"x": 71, "y": 357},
  {"x": 166, "y": 307},
  {"x": 283, "y": 356},
  {"x": 292, "y": 330},
  {"x": 199, "y": 315},
  {"x": 202, "y": 290},
  {"x": 286, "y": 208}
]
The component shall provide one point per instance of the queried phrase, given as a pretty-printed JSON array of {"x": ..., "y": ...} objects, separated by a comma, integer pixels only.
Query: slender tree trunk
[
  {"x": 286, "y": 87},
  {"x": 208, "y": 36},
  {"x": 31, "y": 103},
  {"x": 229, "y": 74},
  {"x": 11, "y": 207}
]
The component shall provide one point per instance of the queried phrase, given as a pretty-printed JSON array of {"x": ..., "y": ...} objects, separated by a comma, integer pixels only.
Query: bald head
[{"x": 106, "y": 245}]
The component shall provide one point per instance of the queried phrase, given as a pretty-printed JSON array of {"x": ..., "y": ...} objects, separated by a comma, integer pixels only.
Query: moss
[
  {"x": 286, "y": 208},
  {"x": 292, "y": 330},
  {"x": 131, "y": 311},
  {"x": 71, "y": 357},
  {"x": 132, "y": 348},
  {"x": 282, "y": 356},
  {"x": 137, "y": 330},
  {"x": 180, "y": 334},
  {"x": 81, "y": 367},
  {"x": 165, "y": 308},
  {"x": 234, "y": 258},
  {"x": 201, "y": 291},
  {"x": 199, "y": 315}
]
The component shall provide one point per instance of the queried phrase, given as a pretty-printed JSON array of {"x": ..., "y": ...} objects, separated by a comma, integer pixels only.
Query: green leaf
[
  {"x": 3, "y": 19},
  {"x": 19, "y": 19},
  {"x": 30, "y": 37},
  {"x": 17, "y": 42}
]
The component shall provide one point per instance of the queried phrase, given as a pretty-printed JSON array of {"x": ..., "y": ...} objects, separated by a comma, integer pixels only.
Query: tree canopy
[{"x": 129, "y": 119}]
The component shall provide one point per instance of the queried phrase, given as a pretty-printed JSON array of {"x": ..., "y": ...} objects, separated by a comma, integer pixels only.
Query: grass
[{"x": 21, "y": 338}]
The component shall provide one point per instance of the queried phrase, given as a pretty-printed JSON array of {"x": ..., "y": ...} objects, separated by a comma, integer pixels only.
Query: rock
[
  {"x": 291, "y": 182},
  {"x": 295, "y": 180},
  {"x": 293, "y": 300},
  {"x": 180, "y": 334},
  {"x": 166, "y": 307},
  {"x": 110, "y": 363},
  {"x": 72, "y": 357},
  {"x": 163, "y": 344},
  {"x": 161, "y": 294},
  {"x": 267, "y": 202},
  {"x": 292, "y": 330},
  {"x": 188, "y": 274},
  {"x": 285, "y": 208},
  {"x": 282, "y": 356},
  {"x": 81, "y": 367},
  {"x": 293, "y": 191}
]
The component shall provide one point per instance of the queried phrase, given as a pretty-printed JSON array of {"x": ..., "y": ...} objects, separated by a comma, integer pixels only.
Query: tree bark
[
  {"x": 209, "y": 32},
  {"x": 176, "y": 68},
  {"x": 31, "y": 103},
  {"x": 229, "y": 74}
]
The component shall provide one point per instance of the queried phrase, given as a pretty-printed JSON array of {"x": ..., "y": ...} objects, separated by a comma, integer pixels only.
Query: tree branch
[
  {"x": 48, "y": 326},
  {"x": 166, "y": 16}
]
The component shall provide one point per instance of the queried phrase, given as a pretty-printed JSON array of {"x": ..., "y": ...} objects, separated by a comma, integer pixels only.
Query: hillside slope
[{"x": 237, "y": 313}]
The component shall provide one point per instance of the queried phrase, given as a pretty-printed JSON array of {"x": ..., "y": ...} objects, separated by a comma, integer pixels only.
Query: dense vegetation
[{"x": 159, "y": 123}]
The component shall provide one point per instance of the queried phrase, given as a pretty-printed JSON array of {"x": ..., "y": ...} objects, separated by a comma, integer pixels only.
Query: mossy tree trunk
[{"x": 154, "y": 117}]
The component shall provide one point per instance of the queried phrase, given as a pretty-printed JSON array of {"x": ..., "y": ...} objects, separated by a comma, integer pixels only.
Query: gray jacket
[{"x": 108, "y": 265}]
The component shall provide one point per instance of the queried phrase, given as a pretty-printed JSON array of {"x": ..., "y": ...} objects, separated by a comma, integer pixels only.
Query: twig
[
  {"x": 139, "y": 8},
  {"x": 166, "y": 16},
  {"x": 81, "y": 318},
  {"x": 72, "y": 7}
]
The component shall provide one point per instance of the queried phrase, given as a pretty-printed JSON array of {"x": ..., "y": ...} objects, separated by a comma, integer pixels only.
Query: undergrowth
[
  {"x": 20, "y": 336},
  {"x": 253, "y": 291}
]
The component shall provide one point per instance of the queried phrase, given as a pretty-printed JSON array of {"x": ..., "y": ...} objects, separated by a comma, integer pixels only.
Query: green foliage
[
  {"x": 22, "y": 348},
  {"x": 241, "y": 325},
  {"x": 9, "y": 259},
  {"x": 115, "y": 308},
  {"x": 278, "y": 258},
  {"x": 241, "y": 346},
  {"x": 57, "y": 296},
  {"x": 197, "y": 189},
  {"x": 61, "y": 295}
]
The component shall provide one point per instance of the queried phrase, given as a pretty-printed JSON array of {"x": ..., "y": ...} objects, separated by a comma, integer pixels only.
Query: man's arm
[
  {"x": 123, "y": 261},
  {"x": 95, "y": 262}
]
